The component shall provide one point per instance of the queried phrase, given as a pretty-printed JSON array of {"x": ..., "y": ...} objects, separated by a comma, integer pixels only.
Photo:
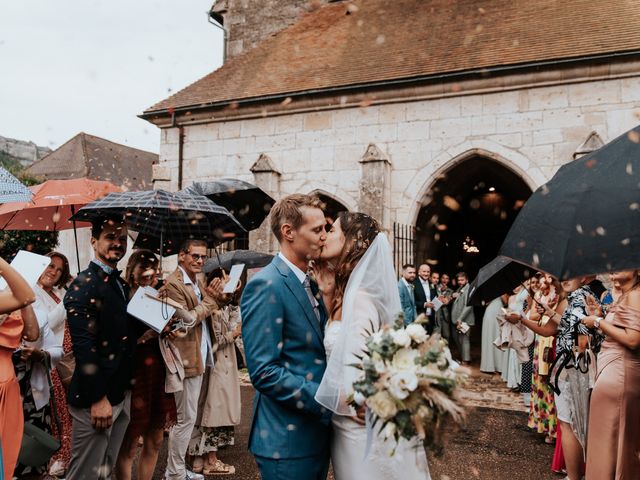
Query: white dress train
[{"x": 349, "y": 441}]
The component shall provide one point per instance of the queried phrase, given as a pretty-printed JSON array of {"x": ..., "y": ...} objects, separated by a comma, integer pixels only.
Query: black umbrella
[
  {"x": 248, "y": 203},
  {"x": 501, "y": 275},
  {"x": 166, "y": 218},
  {"x": 586, "y": 219},
  {"x": 250, "y": 258}
]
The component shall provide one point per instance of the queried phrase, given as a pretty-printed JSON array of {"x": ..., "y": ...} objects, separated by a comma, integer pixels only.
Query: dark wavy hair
[{"x": 359, "y": 231}]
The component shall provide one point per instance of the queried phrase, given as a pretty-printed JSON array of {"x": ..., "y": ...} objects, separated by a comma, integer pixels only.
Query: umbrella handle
[{"x": 75, "y": 236}]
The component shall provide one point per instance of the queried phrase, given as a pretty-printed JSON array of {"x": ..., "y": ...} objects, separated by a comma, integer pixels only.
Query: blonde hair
[{"x": 289, "y": 210}]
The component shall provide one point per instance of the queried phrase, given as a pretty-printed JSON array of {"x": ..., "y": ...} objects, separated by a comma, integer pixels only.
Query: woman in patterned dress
[
  {"x": 219, "y": 403},
  {"x": 542, "y": 409},
  {"x": 50, "y": 290},
  {"x": 152, "y": 409}
]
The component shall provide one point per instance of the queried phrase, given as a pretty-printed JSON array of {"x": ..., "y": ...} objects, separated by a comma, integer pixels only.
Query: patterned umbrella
[
  {"x": 247, "y": 202},
  {"x": 11, "y": 190},
  {"x": 165, "y": 216}
]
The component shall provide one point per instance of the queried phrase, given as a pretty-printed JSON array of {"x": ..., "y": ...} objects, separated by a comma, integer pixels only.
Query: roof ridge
[{"x": 366, "y": 42}]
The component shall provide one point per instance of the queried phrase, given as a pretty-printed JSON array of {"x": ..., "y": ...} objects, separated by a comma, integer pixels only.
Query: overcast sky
[{"x": 92, "y": 65}]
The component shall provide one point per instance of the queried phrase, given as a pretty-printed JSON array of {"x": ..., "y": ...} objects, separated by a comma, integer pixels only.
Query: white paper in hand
[
  {"x": 234, "y": 278},
  {"x": 29, "y": 265},
  {"x": 151, "y": 310},
  {"x": 437, "y": 303}
]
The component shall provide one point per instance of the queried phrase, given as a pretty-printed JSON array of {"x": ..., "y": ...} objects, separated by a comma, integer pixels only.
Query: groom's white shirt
[{"x": 299, "y": 273}]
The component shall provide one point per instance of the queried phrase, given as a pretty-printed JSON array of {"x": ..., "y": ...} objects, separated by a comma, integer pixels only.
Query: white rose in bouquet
[
  {"x": 382, "y": 405},
  {"x": 401, "y": 384},
  {"x": 378, "y": 363},
  {"x": 404, "y": 360},
  {"x": 417, "y": 332},
  {"x": 359, "y": 398},
  {"x": 377, "y": 337},
  {"x": 389, "y": 430},
  {"x": 401, "y": 337}
]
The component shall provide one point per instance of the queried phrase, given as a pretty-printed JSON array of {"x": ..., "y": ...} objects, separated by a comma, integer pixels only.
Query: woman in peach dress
[
  {"x": 12, "y": 330},
  {"x": 613, "y": 444}
]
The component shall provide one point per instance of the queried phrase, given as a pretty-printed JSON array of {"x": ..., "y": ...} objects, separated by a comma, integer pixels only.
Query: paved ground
[{"x": 494, "y": 444}]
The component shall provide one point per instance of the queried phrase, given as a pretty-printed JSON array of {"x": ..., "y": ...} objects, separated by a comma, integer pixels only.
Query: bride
[{"x": 358, "y": 281}]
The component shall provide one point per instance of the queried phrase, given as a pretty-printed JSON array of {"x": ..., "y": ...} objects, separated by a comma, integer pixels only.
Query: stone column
[
  {"x": 268, "y": 179},
  {"x": 375, "y": 185}
]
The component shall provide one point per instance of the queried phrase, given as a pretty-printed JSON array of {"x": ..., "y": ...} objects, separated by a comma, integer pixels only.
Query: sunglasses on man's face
[{"x": 197, "y": 257}]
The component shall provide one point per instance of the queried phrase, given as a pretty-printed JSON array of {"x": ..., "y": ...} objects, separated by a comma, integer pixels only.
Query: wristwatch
[{"x": 596, "y": 322}]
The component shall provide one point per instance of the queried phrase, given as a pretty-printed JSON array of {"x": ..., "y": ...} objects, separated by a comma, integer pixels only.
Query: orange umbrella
[{"x": 53, "y": 202}]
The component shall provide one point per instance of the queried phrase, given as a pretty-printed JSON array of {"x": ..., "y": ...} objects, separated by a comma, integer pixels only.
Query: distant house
[
  {"x": 88, "y": 156},
  {"x": 437, "y": 117}
]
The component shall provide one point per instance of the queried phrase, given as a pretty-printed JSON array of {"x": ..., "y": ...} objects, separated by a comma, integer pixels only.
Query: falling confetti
[{"x": 451, "y": 203}]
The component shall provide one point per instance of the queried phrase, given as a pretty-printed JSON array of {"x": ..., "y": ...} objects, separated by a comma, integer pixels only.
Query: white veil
[{"x": 371, "y": 300}]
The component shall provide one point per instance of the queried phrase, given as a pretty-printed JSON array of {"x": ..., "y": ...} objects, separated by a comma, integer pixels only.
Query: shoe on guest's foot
[
  {"x": 218, "y": 468},
  {"x": 57, "y": 469},
  {"x": 197, "y": 464},
  {"x": 193, "y": 476}
]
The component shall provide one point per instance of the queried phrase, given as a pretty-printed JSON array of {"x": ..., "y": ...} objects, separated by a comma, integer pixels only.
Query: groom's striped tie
[{"x": 314, "y": 301}]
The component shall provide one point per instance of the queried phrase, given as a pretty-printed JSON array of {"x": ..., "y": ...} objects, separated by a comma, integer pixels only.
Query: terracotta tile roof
[
  {"x": 364, "y": 41},
  {"x": 98, "y": 159}
]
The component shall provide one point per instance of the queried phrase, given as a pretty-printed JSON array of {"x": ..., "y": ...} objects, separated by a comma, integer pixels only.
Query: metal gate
[{"x": 404, "y": 245}]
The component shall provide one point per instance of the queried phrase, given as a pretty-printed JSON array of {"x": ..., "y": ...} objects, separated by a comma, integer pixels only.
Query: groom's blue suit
[{"x": 283, "y": 341}]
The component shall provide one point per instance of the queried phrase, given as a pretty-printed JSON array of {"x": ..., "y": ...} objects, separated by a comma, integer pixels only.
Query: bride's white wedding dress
[
  {"x": 371, "y": 301},
  {"x": 349, "y": 441}
]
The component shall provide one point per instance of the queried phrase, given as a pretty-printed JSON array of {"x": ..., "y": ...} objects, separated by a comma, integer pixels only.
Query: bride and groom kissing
[{"x": 301, "y": 337}]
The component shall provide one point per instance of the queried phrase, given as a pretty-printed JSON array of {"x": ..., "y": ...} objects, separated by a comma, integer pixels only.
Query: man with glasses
[{"x": 195, "y": 346}]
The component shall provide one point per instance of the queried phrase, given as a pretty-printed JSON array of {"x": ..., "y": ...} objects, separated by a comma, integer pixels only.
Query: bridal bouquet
[{"x": 408, "y": 381}]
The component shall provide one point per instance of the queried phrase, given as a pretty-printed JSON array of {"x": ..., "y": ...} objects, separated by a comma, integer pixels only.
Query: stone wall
[
  {"x": 532, "y": 132},
  {"x": 248, "y": 22}
]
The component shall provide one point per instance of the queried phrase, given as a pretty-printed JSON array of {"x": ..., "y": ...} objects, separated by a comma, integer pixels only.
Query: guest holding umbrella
[
  {"x": 613, "y": 445},
  {"x": 571, "y": 384},
  {"x": 152, "y": 410}
]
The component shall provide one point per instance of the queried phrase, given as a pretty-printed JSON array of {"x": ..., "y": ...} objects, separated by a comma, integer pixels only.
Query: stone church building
[{"x": 437, "y": 117}]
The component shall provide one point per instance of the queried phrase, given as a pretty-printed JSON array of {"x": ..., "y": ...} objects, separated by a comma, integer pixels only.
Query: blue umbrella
[{"x": 11, "y": 190}]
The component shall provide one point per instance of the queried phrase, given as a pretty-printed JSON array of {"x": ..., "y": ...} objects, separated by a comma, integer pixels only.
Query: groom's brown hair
[{"x": 289, "y": 210}]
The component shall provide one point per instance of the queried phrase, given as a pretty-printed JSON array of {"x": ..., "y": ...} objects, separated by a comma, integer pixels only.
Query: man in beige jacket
[{"x": 195, "y": 347}]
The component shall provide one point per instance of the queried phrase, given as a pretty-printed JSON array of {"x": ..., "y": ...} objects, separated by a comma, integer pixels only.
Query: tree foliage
[{"x": 11, "y": 241}]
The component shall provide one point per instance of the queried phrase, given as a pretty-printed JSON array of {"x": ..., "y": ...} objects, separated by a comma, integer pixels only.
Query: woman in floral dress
[{"x": 542, "y": 409}]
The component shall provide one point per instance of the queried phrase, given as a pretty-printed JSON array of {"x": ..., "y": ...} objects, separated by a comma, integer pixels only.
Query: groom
[{"x": 283, "y": 331}]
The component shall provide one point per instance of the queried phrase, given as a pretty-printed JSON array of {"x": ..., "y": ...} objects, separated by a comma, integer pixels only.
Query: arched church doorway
[
  {"x": 331, "y": 206},
  {"x": 467, "y": 213}
]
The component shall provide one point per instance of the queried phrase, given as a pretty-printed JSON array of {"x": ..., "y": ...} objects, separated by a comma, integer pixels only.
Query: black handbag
[{"x": 39, "y": 446}]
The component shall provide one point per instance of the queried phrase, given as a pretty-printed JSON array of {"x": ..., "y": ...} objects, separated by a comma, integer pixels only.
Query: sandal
[
  {"x": 197, "y": 465},
  {"x": 218, "y": 468}
]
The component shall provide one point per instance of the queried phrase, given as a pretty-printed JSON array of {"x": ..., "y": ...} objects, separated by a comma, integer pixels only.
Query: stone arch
[
  {"x": 314, "y": 187},
  {"x": 511, "y": 159},
  {"x": 332, "y": 206}
]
